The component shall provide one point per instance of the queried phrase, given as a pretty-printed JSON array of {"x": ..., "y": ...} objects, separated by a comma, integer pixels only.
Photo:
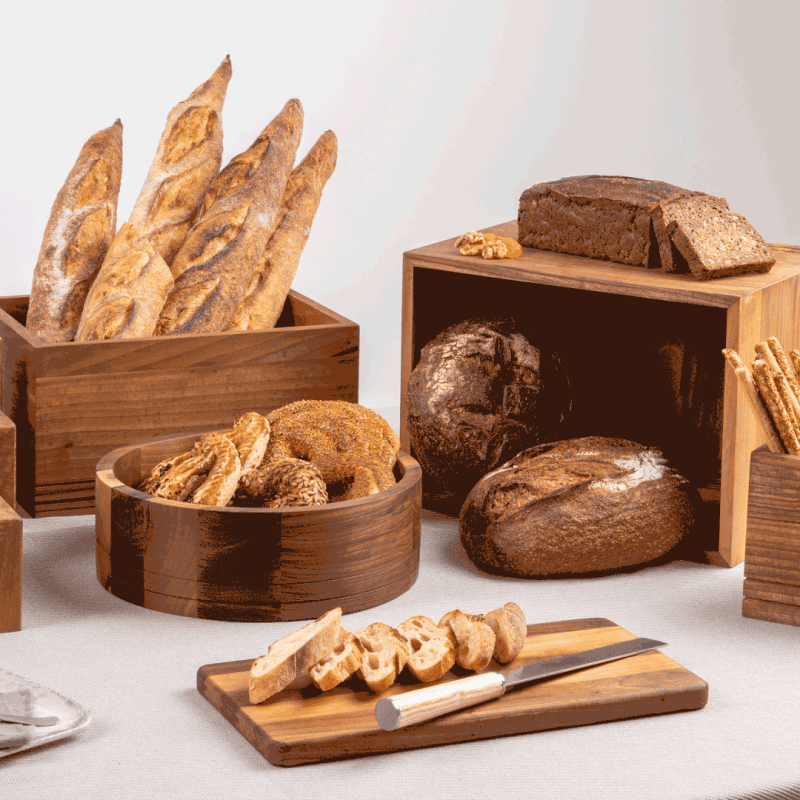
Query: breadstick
[
  {"x": 269, "y": 285},
  {"x": 783, "y": 362},
  {"x": 780, "y": 416},
  {"x": 186, "y": 161},
  {"x": 780, "y": 377}
]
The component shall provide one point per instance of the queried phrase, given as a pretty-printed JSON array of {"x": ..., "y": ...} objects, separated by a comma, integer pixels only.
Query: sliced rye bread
[{"x": 721, "y": 245}]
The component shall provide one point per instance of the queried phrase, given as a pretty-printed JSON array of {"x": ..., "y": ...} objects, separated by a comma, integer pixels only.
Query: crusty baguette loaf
[
  {"x": 476, "y": 639},
  {"x": 294, "y": 655},
  {"x": 220, "y": 485},
  {"x": 129, "y": 292},
  {"x": 385, "y": 653},
  {"x": 508, "y": 624},
  {"x": 433, "y": 647},
  {"x": 81, "y": 226},
  {"x": 339, "y": 664},
  {"x": 186, "y": 162},
  {"x": 214, "y": 265},
  {"x": 270, "y": 283}
]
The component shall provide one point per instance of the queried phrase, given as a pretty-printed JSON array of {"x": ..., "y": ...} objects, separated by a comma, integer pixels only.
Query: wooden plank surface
[
  {"x": 10, "y": 569},
  {"x": 767, "y": 611},
  {"x": 302, "y": 725},
  {"x": 8, "y": 460}
]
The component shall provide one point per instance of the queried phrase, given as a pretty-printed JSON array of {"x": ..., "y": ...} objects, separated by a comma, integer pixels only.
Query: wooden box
[
  {"x": 10, "y": 534},
  {"x": 73, "y": 403},
  {"x": 772, "y": 551},
  {"x": 642, "y": 349},
  {"x": 252, "y": 564}
]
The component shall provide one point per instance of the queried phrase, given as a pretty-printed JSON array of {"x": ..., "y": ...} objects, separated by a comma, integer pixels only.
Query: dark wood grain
[
  {"x": 641, "y": 347},
  {"x": 302, "y": 725},
  {"x": 10, "y": 569},
  {"x": 8, "y": 457},
  {"x": 75, "y": 402},
  {"x": 251, "y": 563}
]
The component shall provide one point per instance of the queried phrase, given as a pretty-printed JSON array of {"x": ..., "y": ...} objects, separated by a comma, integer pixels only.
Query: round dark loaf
[
  {"x": 480, "y": 393},
  {"x": 573, "y": 507}
]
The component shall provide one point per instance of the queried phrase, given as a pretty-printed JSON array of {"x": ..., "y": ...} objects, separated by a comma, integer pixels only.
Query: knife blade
[{"x": 419, "y": 705}]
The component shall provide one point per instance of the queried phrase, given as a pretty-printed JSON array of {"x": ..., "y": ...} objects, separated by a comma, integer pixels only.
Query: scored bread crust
[
  {"x": 128, "y": 292},
  {"x": 77, "y": 235},
  {"x": 339, "y": 664},
  {"x": 433, "y": 647},
  {"x": 187, "y": 160},
  {"x": 510, "y": 629},
  {"x": 294, "y": 655},
  {"x": 269, "y": 285},
  {"x": 475, "y": 638},
  {"x": 385, "y": 653},
  {"x": 214, "y": 265}
]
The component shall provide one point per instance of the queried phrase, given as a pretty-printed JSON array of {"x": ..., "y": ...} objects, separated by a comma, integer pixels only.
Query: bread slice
[
  {"x": 295, "y": 654},
  {"x": 475, "y": 639},
  {"x": 385, "y": 653},
  {"x": 340, "y": 663},
  {"x": 721, "y": 245},
  {"x": 433, "y": 647},
  {"x": 508, "y": 624}
]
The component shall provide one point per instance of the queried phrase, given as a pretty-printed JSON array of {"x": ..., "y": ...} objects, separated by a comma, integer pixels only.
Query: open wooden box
[
  {"x": 642, "y": 349},
  {"x": 10, "y": 534},
  {"x": 73, "y": 403}
]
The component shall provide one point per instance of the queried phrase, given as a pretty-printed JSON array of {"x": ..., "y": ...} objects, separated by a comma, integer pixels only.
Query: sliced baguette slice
[
  {"x": 475, "y": 639},
  {"x": 508, "y": 624},
  {"x": 340, "y": 663},
  {"x": 433, "y": 647},
  {"x": 294, "y": 655},
  {"x": 385, "y": 653}
]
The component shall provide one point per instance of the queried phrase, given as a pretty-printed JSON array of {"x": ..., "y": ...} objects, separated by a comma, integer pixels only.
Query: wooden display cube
[
  {"x": 772, "y": 552},
  {"x": 10, "y": 535},
  {"x": 75, "y": 402},
  {"x": 641, "y": 347}
]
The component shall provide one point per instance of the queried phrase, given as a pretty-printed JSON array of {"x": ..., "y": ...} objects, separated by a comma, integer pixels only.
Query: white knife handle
[{"x": 433, "y": 701}]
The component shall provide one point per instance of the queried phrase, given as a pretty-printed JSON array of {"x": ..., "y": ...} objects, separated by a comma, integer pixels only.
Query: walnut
[
  {"x": 488, "y": 245},
  {"x": 496, "y": 249},
  {"x": 470, "y": 243}
]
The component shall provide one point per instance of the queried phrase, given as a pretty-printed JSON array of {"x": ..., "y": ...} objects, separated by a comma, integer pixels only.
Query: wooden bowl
[{"x": 251, "y": 564}]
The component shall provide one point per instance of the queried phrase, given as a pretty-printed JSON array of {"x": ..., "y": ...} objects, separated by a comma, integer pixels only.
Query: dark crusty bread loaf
[
  {"x": 215, "y": 263},
  {"x": 721, "y": 245},
  {"x": 80, "y": 229},
  {"x": 602, "y": 216},
  {"x": 577, "y": 506}
]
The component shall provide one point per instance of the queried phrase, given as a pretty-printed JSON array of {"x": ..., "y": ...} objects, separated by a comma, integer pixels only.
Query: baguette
[
  {"x": 78, "y": 233},
  {"x": 215, "y": 263},
  {"x": 270, "y": 283},
  {"x": 508, "y": 624},
  {"x": 186, "y": 162},
  {"x": 476, "y": 639},
  {"x": 385, "y": 653},
  {"x": 293, "y": 656},
  {"x": 340, "y": 663},
  {"x": 433, "y": 647},
  {"x": 129, "y": 292}
]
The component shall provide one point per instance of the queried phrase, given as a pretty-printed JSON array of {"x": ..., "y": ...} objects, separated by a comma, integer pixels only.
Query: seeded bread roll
[
  {"x": 129, "y": 292},
  {"x": 270, "y": 283},
  {"x": 215, "y": 263},
  {"x": 80, "y": 229},
  {"x": 186, "y": 161}
]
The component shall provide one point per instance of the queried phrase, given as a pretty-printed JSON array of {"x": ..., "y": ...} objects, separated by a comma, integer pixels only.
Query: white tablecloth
[{"x": 153, "y": 735}]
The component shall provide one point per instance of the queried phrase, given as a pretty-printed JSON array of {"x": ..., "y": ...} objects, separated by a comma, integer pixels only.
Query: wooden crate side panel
[
  {"x": 407, "y": 349},
  {"x": 772, "y": 592},
  {"x": 10, "y": 569},
  {"x": 8, "y": 460},
  {"x": 782, "y": 613}
]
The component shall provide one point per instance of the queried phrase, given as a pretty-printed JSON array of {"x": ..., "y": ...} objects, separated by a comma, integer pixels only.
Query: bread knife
[{"x": 419, "y": 705}]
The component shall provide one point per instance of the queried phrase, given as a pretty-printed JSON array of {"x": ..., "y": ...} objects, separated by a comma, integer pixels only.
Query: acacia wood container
[
  {"x": 76, "y": 401},
  {"x": 772, "y": 552},
  {"x": 251, "y": 564},
  {"x": 10, "y": 534}
]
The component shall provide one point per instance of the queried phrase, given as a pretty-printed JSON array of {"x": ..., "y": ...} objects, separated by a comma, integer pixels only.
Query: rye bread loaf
[
  {"x": 79, "y": 231},
  {"x": 578, "y": 506},
  {"x": 480, "y": 393}
]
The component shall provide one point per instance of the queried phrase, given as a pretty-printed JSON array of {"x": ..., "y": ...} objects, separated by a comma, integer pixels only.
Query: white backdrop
[{"x": 444, "y": 110}]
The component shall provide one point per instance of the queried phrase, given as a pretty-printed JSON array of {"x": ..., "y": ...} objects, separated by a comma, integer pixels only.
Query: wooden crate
[
  {"x": 642, "y": 349},
  {"x": 10, "y": 535},
  {"x": 772, "y": 551},
  {"x": 75, "y": 402}
]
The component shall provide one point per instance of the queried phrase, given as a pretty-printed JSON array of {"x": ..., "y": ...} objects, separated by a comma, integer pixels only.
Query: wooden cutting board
[{"x": 302, "y": 725}]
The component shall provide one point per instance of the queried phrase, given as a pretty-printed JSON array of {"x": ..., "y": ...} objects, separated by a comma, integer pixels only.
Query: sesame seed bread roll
[
  {"x": 80, "y": 229},
  {"x": 270, "y": 283},
  {"x": 186, "y": 162},
  {"x": 213, "y": 267}
]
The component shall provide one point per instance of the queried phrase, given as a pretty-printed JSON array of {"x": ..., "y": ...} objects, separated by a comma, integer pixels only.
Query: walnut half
[{"x": 488, "y": 245}]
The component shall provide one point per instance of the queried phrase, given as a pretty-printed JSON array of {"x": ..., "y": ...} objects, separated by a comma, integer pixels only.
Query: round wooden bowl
[{"x": 251, "y": 564}]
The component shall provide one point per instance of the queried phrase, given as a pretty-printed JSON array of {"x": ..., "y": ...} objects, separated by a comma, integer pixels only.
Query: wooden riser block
[
  {"x": 10, "y": 569},
  {"x": 771, "y": 612}
]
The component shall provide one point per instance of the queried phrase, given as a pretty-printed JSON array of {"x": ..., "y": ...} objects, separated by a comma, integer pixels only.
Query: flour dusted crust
[
  {"x": 269, "y": 285},
  {"x": 216, "y": 261},
  {"x": 186, "y": 161},
  {"x": 78, "y": 233}
]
